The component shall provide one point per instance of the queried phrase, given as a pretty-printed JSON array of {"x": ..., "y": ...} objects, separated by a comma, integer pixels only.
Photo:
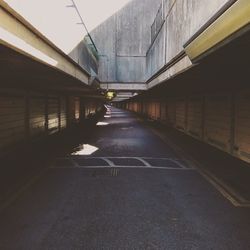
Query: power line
[{"x": 82, "y": 22}]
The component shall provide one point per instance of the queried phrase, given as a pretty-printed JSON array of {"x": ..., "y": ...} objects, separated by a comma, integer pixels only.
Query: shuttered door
[
  {"x": 194, "y": 117},
  {"x": 163, "y": 111},
  {"x": 53, "y": 115},
  {"x": 71, "y": 115},
  {"x": 144, "y": 108},
  {"x": 171, "y": 112},
  {"x": 131, "y": 106},
  {"x": 77, "y": 108},
  {"x": 149, "y": 109},
  {"x": 217, "y": 121},
  {"x": 136, "y": 107},
  {"x": 152, "y": 110},
  {"x": 157, "y": 110},
  {"x": 37, "y": 116},
  {"x": 140, "y": 107},
  {"x": 12, "y": 121},
  {"x": 181, "y": 114},
  {"x": 242, "y": 126},
  {"x": 63, "y": 112}
]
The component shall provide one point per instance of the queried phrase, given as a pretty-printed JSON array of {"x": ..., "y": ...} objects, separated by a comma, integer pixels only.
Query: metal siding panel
[
  {"x": 12, "y": 120},
  {"x": 53, "y": 115},
  {"x": 77, "y": 108},
  {"x": 181, "y": 114},
  {"x": 163, "y": 111},
  {"x": 171, "y": 116},
  {"x": 242, "y": 125},
  {"x": 63, "y": 112},
  {"x": 36, "y": 116},
  {"x": 194, "y": 117},
  {"x": 157, "y": 110},
  {"x": 217, "y": 121}
]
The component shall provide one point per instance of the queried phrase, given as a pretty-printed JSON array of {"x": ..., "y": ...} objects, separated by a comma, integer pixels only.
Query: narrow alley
[{"x": 123, "y": 189}]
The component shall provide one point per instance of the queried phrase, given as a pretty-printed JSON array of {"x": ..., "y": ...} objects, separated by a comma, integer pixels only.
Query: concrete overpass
[
  {"x": 159, "y": 51},
  {"x": 17, "y": 34}
]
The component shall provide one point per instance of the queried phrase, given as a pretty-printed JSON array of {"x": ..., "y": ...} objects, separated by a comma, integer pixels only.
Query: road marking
[
  {"x": 143, "y": 160},
  {"x": 111, "y": 164},
  {"x": 119, "y": 166},
  {"x": 114, "y": 172},
  {"x": 13, "y": 197},
  {"x": 235, "y": 198}
]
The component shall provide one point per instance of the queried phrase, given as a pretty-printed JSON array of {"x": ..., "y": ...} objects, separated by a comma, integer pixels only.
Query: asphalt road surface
[{"x": 124, "y": 188}]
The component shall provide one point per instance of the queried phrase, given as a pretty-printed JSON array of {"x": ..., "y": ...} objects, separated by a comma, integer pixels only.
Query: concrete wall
[
  {"x": 83, "y": 55},
  {"x": 183, "y": 18},
  {"x": 156, "y": 54},
  {"x": 129, "y": 53},
  {"x": 123, "y": 41}
]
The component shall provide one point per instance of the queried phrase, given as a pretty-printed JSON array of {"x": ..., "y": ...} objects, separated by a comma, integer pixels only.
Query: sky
[{"x": 59, "y": 23}]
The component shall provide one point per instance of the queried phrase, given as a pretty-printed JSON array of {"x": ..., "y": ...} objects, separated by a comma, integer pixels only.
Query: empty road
[{"x": 123, "y": 188}]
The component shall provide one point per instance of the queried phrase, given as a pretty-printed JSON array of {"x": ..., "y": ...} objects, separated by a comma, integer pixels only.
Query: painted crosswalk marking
[{"x": 120, "y": 162}]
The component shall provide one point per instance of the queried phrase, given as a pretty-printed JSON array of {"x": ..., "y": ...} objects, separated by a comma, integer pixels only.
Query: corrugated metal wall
[
  {"x": 12, "y": 120},
  {"x": 242, "y": 126},
  {"x": 180, "y": 113},
  {"x": 37, "y": 117},
  {"x": 195, "y": 116},
  {"x": 25, "y": 116},
  {"x": 171, "y": 117},
  {"x": 63, "y": 112},
  {"x": 53, "y": 115},
  {"x": 163, "y": 117},
  {"x": 219, "y": 119}
]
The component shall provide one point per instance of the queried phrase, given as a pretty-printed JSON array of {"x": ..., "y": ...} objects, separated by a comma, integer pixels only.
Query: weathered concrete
[
  {"x": 124, "y": 86},
  {"x": 82, "y": 55},
  {"x": 156, "y": 54},
  {"x": 127, "y": 36},
  {"x": 134, "y": 51},
  {"x": 182, "y": 20},
  {"x": 180, "y": 66}
]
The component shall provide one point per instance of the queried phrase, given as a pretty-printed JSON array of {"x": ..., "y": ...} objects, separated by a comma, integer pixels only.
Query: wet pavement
[{"x": 122, "y": 188}]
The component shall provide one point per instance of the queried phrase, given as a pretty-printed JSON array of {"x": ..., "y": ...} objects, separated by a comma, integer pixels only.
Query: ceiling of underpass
[{"x": 21, "y": 71}]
